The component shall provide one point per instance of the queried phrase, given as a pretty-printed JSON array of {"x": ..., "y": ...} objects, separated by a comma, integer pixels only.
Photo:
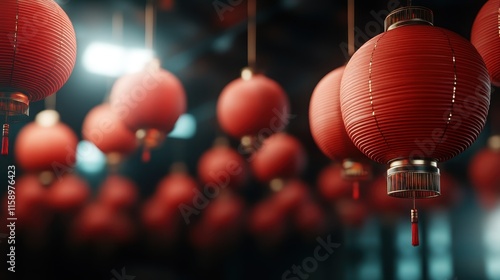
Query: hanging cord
[
  {"x": 252, "y": 35},
  {"x": 350, "y": 27}
]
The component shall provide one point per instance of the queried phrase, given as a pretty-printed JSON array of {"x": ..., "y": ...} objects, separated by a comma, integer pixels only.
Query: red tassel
[
  {"x": 414, "y": 228},
  {"x": 355, "y": 190},
  {"x": 5, "y": 140}
]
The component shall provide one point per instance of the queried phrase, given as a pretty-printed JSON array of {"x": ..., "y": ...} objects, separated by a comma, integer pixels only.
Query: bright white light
[
  {"x": 89, "y": 159},
  {"x": 185, "y": 127},
  {"x": 47, "y": 118},
  {"x": 114, "y": 61}
]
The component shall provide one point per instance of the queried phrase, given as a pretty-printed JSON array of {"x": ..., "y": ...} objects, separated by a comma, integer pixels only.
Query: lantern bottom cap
[
  {"x": 355, "y": 170},
  {"x": 14, "y": 106},
  {"x": 413, "y": 179}
]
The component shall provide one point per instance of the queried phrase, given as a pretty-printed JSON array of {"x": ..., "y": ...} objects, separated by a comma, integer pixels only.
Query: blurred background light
[
  {"x": 89, "y": 159},
  {"x": 113, "y": 60},
  {"x": 185, "y": 127}
]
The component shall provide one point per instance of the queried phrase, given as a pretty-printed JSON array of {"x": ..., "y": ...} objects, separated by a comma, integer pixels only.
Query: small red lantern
[
  {"x": 328, "y": 130},
  {"x": 160, "y": 222},
  {"x": 281, "y": 156},
  {"x": 107, "y": 131},
  {"x": 223, "y": 167},
  {"x": 37, "y": 56},
  {"x": 150, "y": 100},
  {"x": 118, "y": 193},
  {"x": 309, "y": 219},
  {"x": 46, "y": 144},
  {"x": 176, "y": 189},
  {"x": 483, "y": 172},
  {"x": 30, "y": 203},
  {"x": 414, "y": 96},
  {"x": 331, "y": 184},
  {"x": 253, "y": 106},
  {"x": 68, "y": 193},
  {"x": 292, "y": 194},
  {"x": 485, "y": 36},
  {"x": 267, "y": 224}
]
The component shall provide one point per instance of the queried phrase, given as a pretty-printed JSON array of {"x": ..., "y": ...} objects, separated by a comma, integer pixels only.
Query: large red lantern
[
  {"x": 414, "y": 96},
  {"x": 37, "y": 56},
  {"x": 150, "y": 100},
  {"x": 484, "y": 175},
  {"x": 107, "y": 131},
  {"x": 328, "y": 131},
  {"x": 485, "y": 36},
  {"x": 253, "y": 106},
  {"x": 223, "y": 167},
  {"x": 281, "y": 156},
  {"x": 46, "y": 145}
]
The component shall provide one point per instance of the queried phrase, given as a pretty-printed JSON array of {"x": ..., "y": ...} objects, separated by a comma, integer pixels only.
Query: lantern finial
[{"x": 409, "y": 15}]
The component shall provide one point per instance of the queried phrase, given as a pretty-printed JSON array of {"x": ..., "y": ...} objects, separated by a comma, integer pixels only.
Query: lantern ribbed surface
[
  {"x": 325, "y": 119},
  {"x": 37, "y": 47},
  {"x": 485, "y": 36},
  {"x": 151, "y": 99},
  {"x": 415, "y": 92},
  {"x": 255, "y": 106}
]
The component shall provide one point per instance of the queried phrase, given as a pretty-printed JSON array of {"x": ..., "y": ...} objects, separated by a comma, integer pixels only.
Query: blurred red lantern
[
  {"x": 68, "y": 193},
  {"x": 160, "y": 222},
  {"x": 290, "y": 196},
  {"x": 152, "y": 99},
  {"x": 331, "y": 184},
  {"x": 252, "y": 106},
  {"x": 106, "y": 130},
  {"x": 46, "y": 144},
  {"x": 224, "y": 167},
  {"x": 118, "y": 193},
  {"x": 267, "y": 224},
  {"x": 30, "y": 203},
  {"x": 176, "y": 189},
  {"x": 485, "y": 37},
  {"x": 37, "y": 55},
  {"x": 328, "y": 131},
  {"x": 309, "y": 219},
  {"x": 281, "y": 156},
  {"x": 352, "y": 213},
  {"x": 484, "y": 175},
  {"x": 414, "y": 114}
]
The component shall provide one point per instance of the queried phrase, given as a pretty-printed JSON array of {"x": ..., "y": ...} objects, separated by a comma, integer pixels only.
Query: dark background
[{"x": 298, "y": 42}]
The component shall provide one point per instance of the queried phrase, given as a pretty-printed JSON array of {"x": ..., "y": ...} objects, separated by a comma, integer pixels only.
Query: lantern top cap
[{"x": 410, "y": 15}]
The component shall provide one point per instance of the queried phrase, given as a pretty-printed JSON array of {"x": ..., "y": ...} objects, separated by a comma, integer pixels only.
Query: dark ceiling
[{"x": 298, "y": 42}]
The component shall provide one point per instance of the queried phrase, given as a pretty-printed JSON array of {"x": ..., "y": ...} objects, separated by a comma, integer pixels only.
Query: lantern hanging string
[
  {"x": 350, "y": 27},
  {"x": 50, "y": 102},
  {"x": 149, "y": 24},
  {"x": 252, "y": 34}
]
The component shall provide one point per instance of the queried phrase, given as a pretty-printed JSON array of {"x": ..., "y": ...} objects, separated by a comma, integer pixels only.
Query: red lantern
[
  {"x": 328, "y": 131},
  {"x": 267, "y": 223},
  {"x": 106, "y": 130},
  {"x": 152, "y": 99},
  {"x": 30, "y": 203},
  {"x": 309, "y": 219},
  {"x": 291, "y": 196},
  {"x": 37, "y": 55},
  {"x": 68, "y": 193},
  {"x": 484, "y": 175},
  {"x": 331, "y": 184},
  {"x": 281, "y": 156},
  {"x": 176, "y": 189},
  {"x": 414, "y": 96},
  {"x": 46, "y": 145},
  {"x": 253, "y": 106},
  {"x": 118, "y": 193},
  {"x": 486, "y": 38},
  {"x": 223, "y": 167},
  {"x": 160, "y": 222}
]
